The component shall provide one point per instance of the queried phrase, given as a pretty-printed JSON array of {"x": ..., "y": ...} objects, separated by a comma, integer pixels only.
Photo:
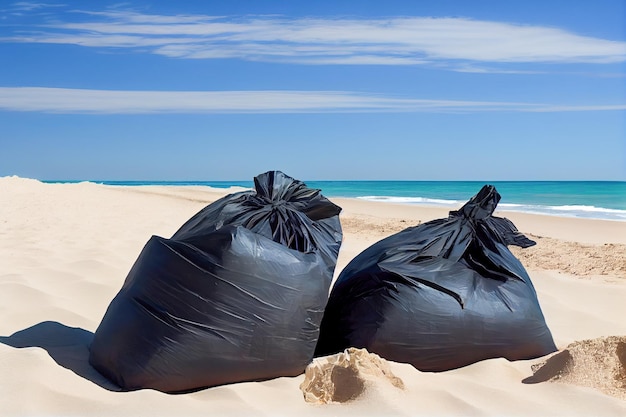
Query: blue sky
[{"x": 190, "y": 90}]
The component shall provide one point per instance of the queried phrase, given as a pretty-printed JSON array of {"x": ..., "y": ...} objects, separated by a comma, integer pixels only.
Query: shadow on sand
[{"x": 68, "y": 346}]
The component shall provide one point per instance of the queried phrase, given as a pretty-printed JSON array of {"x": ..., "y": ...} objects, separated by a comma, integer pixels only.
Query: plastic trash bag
[
  {"x": 237, "y": 294},
  {"x": 440, "y": 295}
]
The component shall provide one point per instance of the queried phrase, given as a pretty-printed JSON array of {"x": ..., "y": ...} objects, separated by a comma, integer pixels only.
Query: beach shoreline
[
  {"x": 67, "y": 248},
  {"x": 602, "y": 200}
]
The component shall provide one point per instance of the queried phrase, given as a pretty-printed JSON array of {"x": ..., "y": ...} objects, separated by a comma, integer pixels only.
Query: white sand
[{"x": 65, "y": 250}]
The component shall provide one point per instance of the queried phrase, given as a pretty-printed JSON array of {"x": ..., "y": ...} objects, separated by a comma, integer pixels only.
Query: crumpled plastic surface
[
  {"x": 440, "y": 295},
  {"x": 237, "y": 294}
]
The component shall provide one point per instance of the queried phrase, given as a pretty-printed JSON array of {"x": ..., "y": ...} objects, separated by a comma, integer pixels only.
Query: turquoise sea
[{"x": 588, "y": 199}]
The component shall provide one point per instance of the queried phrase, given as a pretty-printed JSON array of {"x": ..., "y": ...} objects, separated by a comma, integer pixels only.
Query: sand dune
[{"x": 65, "y": 250}]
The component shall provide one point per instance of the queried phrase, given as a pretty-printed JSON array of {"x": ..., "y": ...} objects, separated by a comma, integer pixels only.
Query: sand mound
[
  {"x": 346, "y": 376},
  {"x": 596, "y": 363}
]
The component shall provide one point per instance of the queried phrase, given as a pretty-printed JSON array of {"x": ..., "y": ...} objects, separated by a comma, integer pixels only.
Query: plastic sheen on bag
[
  {"x": 440, "y": 295},
  {"x": 237, "y": 294}
]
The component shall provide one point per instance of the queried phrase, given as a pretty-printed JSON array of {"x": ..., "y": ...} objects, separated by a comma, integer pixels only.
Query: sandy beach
[{"x": 65, "y": 250}]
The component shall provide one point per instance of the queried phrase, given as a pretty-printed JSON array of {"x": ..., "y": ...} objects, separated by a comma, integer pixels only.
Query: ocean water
[{"x": 585, "y": 199}]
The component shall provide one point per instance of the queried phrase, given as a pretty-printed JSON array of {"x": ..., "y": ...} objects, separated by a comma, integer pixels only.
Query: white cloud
[
  {"x": 29, "y": 6},
  {"x": 392, "y": 41},
  {"x": 76, "y": 101}
]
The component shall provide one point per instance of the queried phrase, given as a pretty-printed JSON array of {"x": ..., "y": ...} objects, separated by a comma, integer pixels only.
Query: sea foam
[{"x": 579, "y": 211}]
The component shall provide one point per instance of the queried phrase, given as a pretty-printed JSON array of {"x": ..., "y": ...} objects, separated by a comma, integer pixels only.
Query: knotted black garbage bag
[
  {"x": 440, "y": 295},
  {"x": 237, "y": 294}
]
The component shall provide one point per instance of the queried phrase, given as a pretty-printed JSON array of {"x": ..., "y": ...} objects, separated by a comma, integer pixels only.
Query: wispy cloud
[
  {"x": 453, "y": 42},
  {"x": 77, "y": 101},
  {"x": 29, "y": 5}
]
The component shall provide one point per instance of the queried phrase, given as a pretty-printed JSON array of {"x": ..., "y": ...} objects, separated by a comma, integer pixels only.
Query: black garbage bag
[
  {"x": 237, "y": 294},
  {"x": 440, "y": 295}
]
